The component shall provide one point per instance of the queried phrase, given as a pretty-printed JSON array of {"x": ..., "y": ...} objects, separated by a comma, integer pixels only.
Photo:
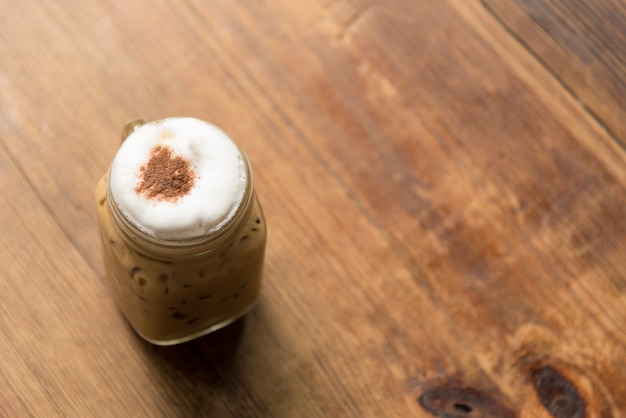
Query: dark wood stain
[
  {"x": 451, "y": 401},
  {"x": 557, "y": 393}
]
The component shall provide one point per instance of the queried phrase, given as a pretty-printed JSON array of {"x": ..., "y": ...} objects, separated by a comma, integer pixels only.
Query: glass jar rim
[{"x": 199, "y": 245}]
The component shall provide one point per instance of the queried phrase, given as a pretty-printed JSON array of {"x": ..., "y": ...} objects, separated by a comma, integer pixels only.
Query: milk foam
[{"x": 218, "y": 189}]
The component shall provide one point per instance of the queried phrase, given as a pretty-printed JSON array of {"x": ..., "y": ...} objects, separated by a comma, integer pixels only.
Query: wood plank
[
  {"x": 583, "y": 43},
  {"x": 59, "y": 321},
  {"x": 556, "y": 148},
  {"x": 446, "y": 221}
]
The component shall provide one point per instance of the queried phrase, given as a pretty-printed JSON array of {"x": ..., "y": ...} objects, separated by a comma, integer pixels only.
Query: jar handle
[{"x": 130, "y": 127}]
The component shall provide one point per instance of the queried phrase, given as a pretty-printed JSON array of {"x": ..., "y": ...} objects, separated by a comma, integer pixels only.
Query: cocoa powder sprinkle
[{"x": 166, "y": 176}]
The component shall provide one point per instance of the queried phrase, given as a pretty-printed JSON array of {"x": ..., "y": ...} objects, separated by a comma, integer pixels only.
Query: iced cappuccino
[{"x": 182, "y": 230}]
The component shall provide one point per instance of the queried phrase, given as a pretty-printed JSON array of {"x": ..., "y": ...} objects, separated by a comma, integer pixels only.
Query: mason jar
[{"x": 172, "y": 290}]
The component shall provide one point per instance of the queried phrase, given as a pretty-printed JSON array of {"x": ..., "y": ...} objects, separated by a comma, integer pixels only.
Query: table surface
[{"x": 444, "y": 184}]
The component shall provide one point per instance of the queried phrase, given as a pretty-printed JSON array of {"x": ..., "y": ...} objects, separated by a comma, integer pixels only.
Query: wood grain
[
  {"x": 582, "y": 43},
  {"x": 443, "y": 182}
]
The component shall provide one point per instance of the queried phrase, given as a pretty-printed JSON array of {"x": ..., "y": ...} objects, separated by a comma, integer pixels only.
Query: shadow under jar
[{"x": 175, "y": 290}]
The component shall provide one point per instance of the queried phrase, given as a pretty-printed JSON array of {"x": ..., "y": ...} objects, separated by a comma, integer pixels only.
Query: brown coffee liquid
[{"x": 172, "y": 300}]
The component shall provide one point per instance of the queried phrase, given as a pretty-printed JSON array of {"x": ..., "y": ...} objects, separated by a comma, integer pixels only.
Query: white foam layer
[{"x": 218, "y": 186}]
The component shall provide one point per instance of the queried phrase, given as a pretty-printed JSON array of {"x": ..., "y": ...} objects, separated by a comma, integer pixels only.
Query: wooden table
[{"x": 444, "y": 184}]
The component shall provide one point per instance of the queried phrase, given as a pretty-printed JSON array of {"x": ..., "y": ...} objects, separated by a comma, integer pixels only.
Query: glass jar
[{"x": 172, "y": 291}]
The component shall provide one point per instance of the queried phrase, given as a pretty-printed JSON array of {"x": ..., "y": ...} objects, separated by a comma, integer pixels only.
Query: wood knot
[
  {"x": 450, "y": 400},
  {"x": 559, "y": 396}
]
